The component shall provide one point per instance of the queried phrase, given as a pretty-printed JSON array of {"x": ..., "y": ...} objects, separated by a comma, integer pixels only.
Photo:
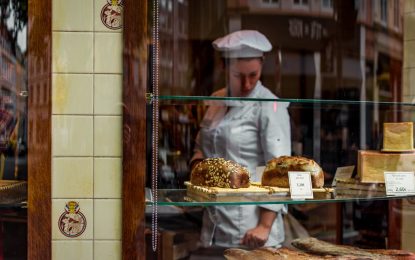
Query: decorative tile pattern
[
  {"x": 86, "y": 130},
  {"x": 111, "y": 15},
  {"x": 99, "y": 25},
  {"x": 86, "y": 208}
]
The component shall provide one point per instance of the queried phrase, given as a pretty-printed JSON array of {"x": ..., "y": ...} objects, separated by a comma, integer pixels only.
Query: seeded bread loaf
[
  {"x": 218, "y": 172},
  {"x": 276, "y": 171}
]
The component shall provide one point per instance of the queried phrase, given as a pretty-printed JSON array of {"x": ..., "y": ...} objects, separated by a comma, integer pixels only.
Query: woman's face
[{"x": 243, "y": 75}]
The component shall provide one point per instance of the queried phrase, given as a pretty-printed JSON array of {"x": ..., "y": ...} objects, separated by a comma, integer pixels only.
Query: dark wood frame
[
  {"x": 135, "y": 58},
  {"x": 39, "y": 156}
]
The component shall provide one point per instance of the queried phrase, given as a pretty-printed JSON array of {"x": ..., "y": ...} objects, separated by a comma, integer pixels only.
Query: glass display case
[{"x": 333, "y": 96}]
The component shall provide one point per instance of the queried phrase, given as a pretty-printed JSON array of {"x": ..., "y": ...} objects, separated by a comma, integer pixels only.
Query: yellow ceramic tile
[
  {"x": 108, "y": 53},
  {"x": 72, "y": 135},
  {"x": 107, "y": 250},
  {"x": 408, "y": 241},
  {"x": 107, "y": 136},
  {"x": 108, "y": 94},
  {"x": 409, "y": 6},
  {"x": 99, "y": 24},
  {"x": 107, "y": 219},
  {"x": 86, "y": 210},
  {"x": 409, "y": 24},
  {"x": 71, "y": 250},
  {"x": 107, "y": 178},
  {"x": 409, "y": 54},
  {"x": 72, "y": 94},
  {"x": 74, "y": 15},
  {"x": 72, "y": 178},
  {"x": 72, "y": 52}
]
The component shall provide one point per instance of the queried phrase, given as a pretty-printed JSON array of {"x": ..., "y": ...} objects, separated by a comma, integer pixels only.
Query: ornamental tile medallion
[
  {"x": 111, "y": 14},
  {"x": 72, "y": 223}
]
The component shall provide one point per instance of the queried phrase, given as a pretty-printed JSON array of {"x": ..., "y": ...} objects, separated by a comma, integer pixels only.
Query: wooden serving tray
[{"x": 255, "y": 193}]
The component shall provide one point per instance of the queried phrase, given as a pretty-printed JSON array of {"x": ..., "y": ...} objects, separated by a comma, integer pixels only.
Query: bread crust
[
  {"x": 218, "y": 172},
  {"x": 276, "y": 171}
]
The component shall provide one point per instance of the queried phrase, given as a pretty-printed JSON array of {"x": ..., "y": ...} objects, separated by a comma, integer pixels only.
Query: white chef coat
[{"x": 249, "y": 133}]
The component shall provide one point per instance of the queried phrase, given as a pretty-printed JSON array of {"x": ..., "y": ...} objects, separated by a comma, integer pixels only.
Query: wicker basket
[{"x": 12, "y": 191}]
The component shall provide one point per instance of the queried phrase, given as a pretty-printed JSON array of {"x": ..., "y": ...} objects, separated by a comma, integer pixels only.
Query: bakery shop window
[{"x": 322, "y": 84}]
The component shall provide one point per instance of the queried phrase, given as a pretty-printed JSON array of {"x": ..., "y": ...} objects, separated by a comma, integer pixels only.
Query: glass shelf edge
[
  {"x": 286, "y": 200},
  {"x": 290, "y": 100}
]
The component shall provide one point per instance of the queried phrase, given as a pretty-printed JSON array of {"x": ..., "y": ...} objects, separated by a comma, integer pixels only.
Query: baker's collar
[{"x": 252, "y": 94}]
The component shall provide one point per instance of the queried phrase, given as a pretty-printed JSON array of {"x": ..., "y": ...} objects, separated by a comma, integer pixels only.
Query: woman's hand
[{"x": 256, "y": 237}]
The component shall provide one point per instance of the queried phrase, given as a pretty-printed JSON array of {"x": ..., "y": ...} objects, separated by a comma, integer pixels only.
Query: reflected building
[{"x": 13, "y": 104}]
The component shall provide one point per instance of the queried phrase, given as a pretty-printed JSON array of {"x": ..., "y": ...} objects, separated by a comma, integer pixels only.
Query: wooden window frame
[
  {"x": 40, "y": 116},
  {"x": 135, "y": 56}
]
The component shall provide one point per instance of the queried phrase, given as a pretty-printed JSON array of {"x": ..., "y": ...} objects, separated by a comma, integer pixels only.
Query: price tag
[
  {"x": 399, "y": 183},
  {"x": 300, "y": 185},
  {"x": 342, "y": 173}
]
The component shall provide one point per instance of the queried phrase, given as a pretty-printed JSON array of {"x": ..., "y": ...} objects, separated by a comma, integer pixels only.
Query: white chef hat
[{"x": 243, "y": 44}]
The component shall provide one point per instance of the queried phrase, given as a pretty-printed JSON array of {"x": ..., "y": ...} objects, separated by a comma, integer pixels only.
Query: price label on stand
[
  {"x": 399, "y": 183},
  {"x": 342, "y": 173},
  {"x": 300, "y": 185}
]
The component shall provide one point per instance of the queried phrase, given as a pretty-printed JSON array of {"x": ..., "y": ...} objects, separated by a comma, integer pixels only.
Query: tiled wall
[
  {"x": 408, "y": 212},
  {"x": 86, "y": 129}
]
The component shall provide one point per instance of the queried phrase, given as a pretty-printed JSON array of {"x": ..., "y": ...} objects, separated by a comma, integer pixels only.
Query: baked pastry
[
  {"x": 218, "y": 172},
  {"x": 276, "y": 171},
  {"x": 269, "y": 253},
  {"x": 318, "y": 247}
]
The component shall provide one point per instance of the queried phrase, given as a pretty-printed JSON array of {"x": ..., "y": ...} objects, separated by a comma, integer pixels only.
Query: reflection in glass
[
  {"x": 13, "y": 86},
  {"x": 345, "y": 55},
  {"x": 13, "y": 128}
]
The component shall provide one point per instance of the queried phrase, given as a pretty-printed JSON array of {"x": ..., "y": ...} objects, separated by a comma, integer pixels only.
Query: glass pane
[
  {"x": 334, "y": 77},
  {"x": 13, "y": 129}
]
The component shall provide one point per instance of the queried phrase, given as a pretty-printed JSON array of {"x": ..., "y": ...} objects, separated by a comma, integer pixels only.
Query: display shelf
[
  {"x": 179, "y": 197},
  {"x": 151, "y": 97}
]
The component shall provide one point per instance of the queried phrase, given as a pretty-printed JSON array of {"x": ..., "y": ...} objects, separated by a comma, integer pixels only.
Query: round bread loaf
[
  {"x": 218, "y": 172},
  {"x": 276, "y": 171}
]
